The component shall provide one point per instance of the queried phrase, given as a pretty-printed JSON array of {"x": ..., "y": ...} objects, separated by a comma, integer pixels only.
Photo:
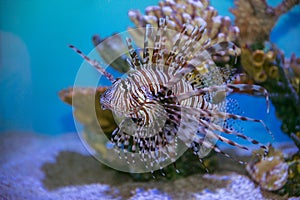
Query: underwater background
[
  {"x": 36, "y": 62},
  {"x": 41, "y": 155}
]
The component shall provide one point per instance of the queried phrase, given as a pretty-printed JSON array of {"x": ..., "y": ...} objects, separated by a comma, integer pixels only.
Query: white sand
[{"x": 58, "y": 167}]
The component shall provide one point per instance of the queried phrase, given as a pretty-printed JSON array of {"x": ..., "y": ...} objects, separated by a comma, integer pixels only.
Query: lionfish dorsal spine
[
  {"x": 136, "y": 62},
  {"x": 95, "y": 64},
  {"x": 148, "y": 32},
  {"x": 156, "y": 53},
  {"x": 180, "y": 73}
]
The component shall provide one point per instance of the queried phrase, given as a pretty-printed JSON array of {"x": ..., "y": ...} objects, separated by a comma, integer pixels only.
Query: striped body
[
  {"x": 140, "y": 88},
  {"x": 172, "y": 97},
  {"x": 151, "y": 111}
]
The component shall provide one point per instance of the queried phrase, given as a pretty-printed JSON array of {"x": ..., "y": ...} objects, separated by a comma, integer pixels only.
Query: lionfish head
[
  {"x": 104, "y": 102},
  {"x": 107, "y": 98}
]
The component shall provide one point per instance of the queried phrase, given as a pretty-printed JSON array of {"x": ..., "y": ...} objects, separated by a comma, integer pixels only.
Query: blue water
[{"x": 36, "y": 62}]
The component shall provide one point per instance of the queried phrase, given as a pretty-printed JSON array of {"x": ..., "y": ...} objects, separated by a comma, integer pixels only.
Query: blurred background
[{"x": 35, "y": 62}]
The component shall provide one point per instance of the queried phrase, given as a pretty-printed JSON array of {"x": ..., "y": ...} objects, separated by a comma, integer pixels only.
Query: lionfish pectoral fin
[
  {"x": 206, "y": 144},
  {"x": 216, "y": 127},
  {"x": 250, "y": 89},
  {"x": 120, "y": 142},
  {"x": 211, "y": 133},
  {"x": 229, "y": 88},
  {"x": 223, "y": 115},
  {"x": 207, "y": 128}
]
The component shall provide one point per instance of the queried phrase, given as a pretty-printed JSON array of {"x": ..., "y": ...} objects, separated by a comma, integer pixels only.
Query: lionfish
[{"x": 162, "y": 105}]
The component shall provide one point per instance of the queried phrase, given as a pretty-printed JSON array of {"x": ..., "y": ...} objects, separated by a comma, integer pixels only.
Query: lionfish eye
[{"x": 103, "y": 107}]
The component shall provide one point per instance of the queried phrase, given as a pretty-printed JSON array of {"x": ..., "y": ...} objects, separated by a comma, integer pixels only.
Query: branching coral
[
  {"x": 256, "y": 19},
  {"x": 259, "y": 64},
  {"x": 191, "y": 13},
  {"x": 179, "y": 12},
  {"x": 264, "y": 63}
]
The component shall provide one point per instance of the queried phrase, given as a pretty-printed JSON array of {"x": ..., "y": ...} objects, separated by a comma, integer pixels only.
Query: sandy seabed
[{"x": 42, "y": 167}]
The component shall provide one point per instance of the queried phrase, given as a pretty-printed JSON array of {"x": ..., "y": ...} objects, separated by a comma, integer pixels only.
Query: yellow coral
[
  {"x": 270, "y": 56},
  {"x": 260, "y": 76},
  {"x": 273, "y": 71},
  {"x": 259, "y": 64},
  {"x": 258, "y": 58}
]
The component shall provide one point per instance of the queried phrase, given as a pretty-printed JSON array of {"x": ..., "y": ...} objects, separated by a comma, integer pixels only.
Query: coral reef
[
  {"x": 271, "y": 173},
  {"x": 285, "y": 96},
  {"x": 83, "y": 107},
  {"x": 262, "y": 61},
  {"x": 292, "y": 187},
  {"x": 276, "y": 172},
  {"x": 266, "y": 65},
  {"x": 195, "y": 13},
  {"x": 256, "y": 19},
  {"x": 292, "y": 72},
  {"x": 260, "y": 65}
]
